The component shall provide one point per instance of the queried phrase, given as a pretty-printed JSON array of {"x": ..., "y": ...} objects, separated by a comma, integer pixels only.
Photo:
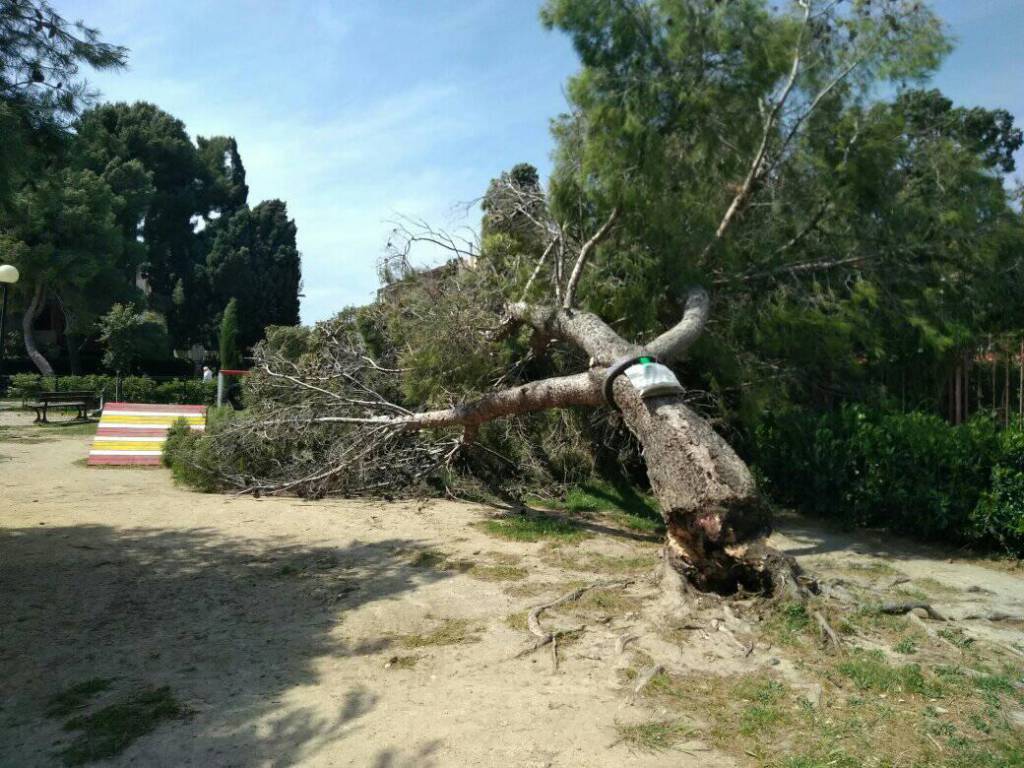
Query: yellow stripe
[
  {"x": 114, "y": 445},
  {"x": 156, "y": 420}
]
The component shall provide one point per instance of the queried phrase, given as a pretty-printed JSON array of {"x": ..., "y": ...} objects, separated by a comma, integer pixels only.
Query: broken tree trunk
[{"x": 716, "y": 522}]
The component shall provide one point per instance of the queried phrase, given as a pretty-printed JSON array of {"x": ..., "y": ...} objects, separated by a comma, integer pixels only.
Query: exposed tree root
[
  {"x": 533, "y": 619},
  {"x": 899, "y": 609},
  {"x": 993, "y": 616},
  {"x": 645, "y": 679},
  {"x": 826, "y": 630}
]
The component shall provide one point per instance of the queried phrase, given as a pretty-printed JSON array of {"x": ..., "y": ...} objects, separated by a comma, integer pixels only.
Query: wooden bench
[{"x": 65, "y": 401}]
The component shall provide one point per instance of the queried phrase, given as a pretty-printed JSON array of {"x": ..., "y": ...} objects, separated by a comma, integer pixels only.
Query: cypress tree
[{"x": 230, "y": 355}]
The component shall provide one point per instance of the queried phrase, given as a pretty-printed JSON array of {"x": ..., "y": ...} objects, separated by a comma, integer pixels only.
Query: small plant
[
  {"x": 906, "y": 646},
  {"x": 654, "y": 735}
]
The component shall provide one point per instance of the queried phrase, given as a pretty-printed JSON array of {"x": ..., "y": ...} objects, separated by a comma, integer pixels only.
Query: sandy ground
[{"x": 274, "y": 620}]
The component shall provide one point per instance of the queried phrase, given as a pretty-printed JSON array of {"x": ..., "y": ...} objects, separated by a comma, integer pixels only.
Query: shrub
[
  {"x": 999, "y": 515},
  {"x": 138, "y": 389},
  {"x": 912, "y": 472}
]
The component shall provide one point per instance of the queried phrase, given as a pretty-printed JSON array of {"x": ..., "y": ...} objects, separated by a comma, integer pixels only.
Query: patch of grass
[
  {"x": 957, "y": 637},
  {"x": 451, "y": 632},
  {"x": 602, "y": 603},
  {"x": 906, "y": 646},
  {"x": 619, "y": 500},
  {"x": 595, "y": 562},
  {"x": 869, "y": 671},
  {"x": 763, "y": 711},
  {"x": 873, "y": 713},
  {"x": 653, "y": 735},
  {"x": 534, "y": 527},
  {"x": 912, "y": 593},
  {"x": 497, "y": 572},
  {"x": 69, "y": 428},
  {"x": 517, "y": 621},
  {"x": 110, "y": 730},
  {"x": 76, "y": 697},
  {"x": 428, "y": 558},
  {"x": 788, "y": 623}
]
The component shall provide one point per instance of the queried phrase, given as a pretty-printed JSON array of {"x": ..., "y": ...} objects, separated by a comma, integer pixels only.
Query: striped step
[{"x": 134, "y": 433}]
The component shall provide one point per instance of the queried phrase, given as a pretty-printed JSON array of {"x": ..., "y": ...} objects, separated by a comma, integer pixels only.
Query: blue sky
[{"x": 358, "y": 111}]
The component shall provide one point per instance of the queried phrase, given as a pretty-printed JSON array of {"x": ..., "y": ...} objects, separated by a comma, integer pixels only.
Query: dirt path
[{"x": 274, "y": 622}]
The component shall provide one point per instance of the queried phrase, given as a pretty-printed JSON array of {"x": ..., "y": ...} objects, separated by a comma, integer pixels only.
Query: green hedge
[
  {"x": 911, "y": 473},
  {"x": 134, "y": 389}
]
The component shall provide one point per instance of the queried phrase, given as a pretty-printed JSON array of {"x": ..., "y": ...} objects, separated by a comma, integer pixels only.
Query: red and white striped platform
[{"x": 134, "y": 433}]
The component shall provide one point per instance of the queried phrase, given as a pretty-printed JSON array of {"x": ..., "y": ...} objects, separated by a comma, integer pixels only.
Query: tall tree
[
  {"x": 41, "y": 90},
  {"x": 189, "y": 184},
  {"x": 230, "y": 353},
  {"x": 64, "y": 239},
  {"x": 254, "y": 259}
]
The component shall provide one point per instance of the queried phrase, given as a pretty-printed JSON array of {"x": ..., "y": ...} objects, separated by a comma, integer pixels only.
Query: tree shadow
[
  {"x": 240, "y": 630},
  {"x": 814, "y": 536}
]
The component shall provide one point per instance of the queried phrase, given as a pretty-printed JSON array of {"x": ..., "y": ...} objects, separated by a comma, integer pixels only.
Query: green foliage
[
  {"x": 194, "y": 461},
  {"x": 254, "y": 260},
  {"x": 40, "y": 85},
  {"x": 912, "y": 472},
  {"x": 137, "y": 389},
  {"x": 999, "y": 515},
  {"x": 128, "y": 336},
  {"x": 230, "y": 354}
]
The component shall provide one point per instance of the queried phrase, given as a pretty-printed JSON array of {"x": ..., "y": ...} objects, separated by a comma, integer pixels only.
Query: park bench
[{"x": 81, "y": 401}]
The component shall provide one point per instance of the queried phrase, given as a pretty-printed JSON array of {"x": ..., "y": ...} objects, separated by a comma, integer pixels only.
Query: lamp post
[{"x": 8, "y": 276}]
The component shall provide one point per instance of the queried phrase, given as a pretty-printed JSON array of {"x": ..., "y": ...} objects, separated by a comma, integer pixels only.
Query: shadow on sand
[{"x": 236, "y": 627}]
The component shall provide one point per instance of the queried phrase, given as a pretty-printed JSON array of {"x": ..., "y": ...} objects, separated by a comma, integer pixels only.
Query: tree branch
[
  {"x": 581, "y": 260},
  {"x": 673, "y": 343}
]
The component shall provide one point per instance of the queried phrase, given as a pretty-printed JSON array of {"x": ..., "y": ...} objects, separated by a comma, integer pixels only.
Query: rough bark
[
  {"x": 715, "y": 519},
  {"x": 28, "y": 320}
]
